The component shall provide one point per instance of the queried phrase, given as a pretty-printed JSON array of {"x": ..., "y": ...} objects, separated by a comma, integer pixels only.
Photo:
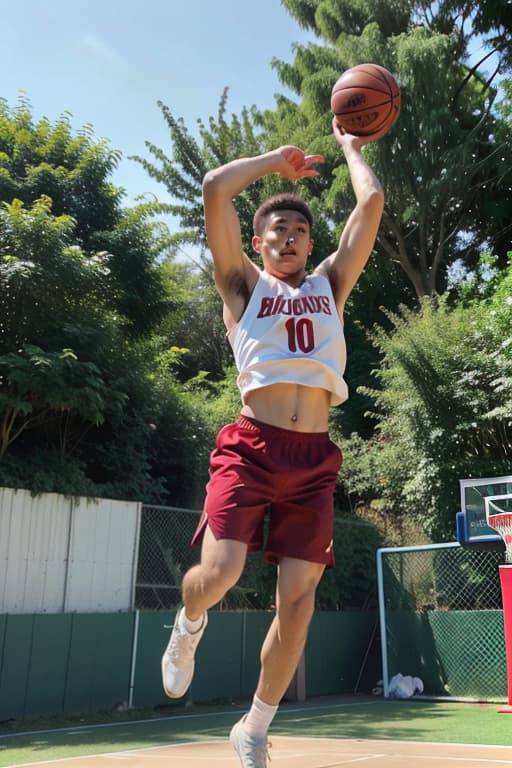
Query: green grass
[
  {"x": 374, "y": 719},
  {"x": 118, "y": 715},
  {"x": 406, "y": 720}
]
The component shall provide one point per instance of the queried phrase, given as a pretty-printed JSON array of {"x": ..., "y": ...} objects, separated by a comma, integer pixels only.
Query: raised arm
[
  {"x": 235, "y": 274},
  {"x": 344, "y": 267}
]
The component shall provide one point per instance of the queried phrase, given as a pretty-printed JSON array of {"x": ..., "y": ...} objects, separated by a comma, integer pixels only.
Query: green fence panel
[
  {"x": 99, "y": 661},
  {"x": 335, "y": 651},
  {"x": 255, "y": 627},
  {"x": 412, "y": 650},
  {"x": 3, "y": 626},
  {"x": 48, "y": 664},
  {"x": 82, "y": 662},
  {"x": 15, "y": 665},
  {"x": 441, "y": 648},
  {"x": 456, "y": 635},
  {"x": 219, "y": 658},
  {"x": 227, "y": 659},
  {"x": 153, "y": 636}
]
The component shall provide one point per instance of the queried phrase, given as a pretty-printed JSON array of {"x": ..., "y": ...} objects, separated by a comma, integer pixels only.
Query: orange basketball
[{"x": 366, "y": 100}]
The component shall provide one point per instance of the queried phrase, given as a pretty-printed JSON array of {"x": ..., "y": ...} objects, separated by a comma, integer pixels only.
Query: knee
[
  {"x": 223, "y": 574},
  {"x": 297, "y": 607},
  {"x": 222, "y": 562},
  {"x": 296, "y": 589},
  {"x": 212, "y": 577}
]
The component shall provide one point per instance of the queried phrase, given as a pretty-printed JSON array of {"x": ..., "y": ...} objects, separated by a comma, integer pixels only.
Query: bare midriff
[{"x": 289, "y": 406}]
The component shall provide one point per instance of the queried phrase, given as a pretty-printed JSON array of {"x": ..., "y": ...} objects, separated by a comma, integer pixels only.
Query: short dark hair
[{"x": 286, "y": 201}]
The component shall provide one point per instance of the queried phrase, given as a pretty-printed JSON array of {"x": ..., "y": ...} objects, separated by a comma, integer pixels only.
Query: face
[{"x": 284, "y": 244}]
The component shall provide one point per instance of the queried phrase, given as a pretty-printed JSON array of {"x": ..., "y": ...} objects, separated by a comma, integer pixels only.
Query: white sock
[
  {"x": 259, "y": 717},
  {"x": 188, "y": 624}
]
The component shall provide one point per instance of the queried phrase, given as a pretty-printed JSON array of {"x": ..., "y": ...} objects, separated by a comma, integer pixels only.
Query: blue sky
[{"x": 109, "y": 61}]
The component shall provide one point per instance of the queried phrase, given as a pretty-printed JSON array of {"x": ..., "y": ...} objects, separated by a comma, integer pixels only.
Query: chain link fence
[
  {"x": 165, "y": 555},
  {"x": 440, "y": 607},
  {"x": 442, "y": 621}
]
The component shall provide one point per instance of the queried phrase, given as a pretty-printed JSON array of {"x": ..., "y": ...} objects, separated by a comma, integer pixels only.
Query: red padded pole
[{"x": 506, "y": 595}]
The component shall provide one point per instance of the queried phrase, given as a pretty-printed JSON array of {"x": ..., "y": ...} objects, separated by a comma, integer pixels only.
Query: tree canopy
[
  {"x": 45, "y": 159},
  {"x": 80, "y": 292},
  {"x": 450, "y": 151}
]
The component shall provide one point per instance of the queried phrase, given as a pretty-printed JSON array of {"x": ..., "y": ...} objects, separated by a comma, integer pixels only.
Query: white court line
[
  {"x": 402, "y": 742},
  {"x": 126, "y": 753},
  {"x": 283, "y": 710},
  {"x": 453, "y": 759}
]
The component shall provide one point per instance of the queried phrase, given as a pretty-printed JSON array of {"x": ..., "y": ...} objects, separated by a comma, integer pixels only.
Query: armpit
[{"x": 238, "y": 284}]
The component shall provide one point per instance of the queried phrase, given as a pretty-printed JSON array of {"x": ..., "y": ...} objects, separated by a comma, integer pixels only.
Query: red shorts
[{"x": 256, "y": 467}]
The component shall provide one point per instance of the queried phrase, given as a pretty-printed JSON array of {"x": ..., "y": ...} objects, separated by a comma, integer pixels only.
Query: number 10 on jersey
[{"x": 300, "y": 334}]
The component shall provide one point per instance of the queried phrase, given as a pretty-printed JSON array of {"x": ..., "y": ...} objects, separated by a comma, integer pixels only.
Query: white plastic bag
[{"x": 404, "y": 686}]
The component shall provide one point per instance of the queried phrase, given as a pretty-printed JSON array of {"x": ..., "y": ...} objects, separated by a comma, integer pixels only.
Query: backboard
[{"x": 471, "y": 523}]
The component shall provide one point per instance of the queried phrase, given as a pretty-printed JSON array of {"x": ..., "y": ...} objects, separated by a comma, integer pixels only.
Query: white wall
[{"x": 60, "y": 554}]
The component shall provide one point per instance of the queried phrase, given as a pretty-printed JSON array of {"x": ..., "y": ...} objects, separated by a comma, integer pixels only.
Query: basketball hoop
[
  {"x": 502, "y": 522},
  {"x": 498, "y": 512}
]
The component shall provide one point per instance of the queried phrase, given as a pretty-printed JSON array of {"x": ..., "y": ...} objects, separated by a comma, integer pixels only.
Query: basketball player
[{"x": 286, "y": 331}]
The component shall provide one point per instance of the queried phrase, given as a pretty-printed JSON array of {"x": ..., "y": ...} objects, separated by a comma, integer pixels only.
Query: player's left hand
[{"x": 298, "y": 164}]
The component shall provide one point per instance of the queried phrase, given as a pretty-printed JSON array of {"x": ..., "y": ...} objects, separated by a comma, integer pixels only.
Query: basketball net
[
  {"x": 503, "y": 524},
  {"x": 501, "y": 521}
]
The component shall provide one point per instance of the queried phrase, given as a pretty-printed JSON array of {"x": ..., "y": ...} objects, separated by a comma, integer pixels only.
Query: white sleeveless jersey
[{"x": 290, "y": 335}]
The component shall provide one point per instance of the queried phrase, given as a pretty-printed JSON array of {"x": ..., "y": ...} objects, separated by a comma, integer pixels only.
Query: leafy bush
[{"x": 443, "y": 409}]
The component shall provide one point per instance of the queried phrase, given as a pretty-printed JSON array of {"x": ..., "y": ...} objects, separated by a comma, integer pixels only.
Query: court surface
[
  {"x": 300, "y": 753},
  {"x": 366, "y": 733}
]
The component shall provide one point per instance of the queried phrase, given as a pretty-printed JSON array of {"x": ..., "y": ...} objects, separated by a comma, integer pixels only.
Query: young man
[{"x": 286, "y": 330}]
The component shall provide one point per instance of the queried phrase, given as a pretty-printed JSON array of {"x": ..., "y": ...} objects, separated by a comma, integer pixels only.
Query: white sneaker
[
  {"x": 178, "y": 659},
  {"x": 252, "y": 750}
]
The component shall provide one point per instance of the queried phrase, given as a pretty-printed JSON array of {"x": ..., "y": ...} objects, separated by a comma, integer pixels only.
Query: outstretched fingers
[
  {"x": 311, "y": 160},
  {"x": 299, "y": 164}
]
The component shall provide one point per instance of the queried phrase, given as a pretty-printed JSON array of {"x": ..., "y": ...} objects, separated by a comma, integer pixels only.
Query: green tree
[
  {"x": 40, "y": 388},
  {"x": 81, "y": 284},
  {"x": 51, "y": 291},
  {"x": 448, "y": 154},
  {"x": 443, "y": 406},
  {"x": 48, "y": 160},
  {"x": 490, "y": 21},
  {"x": 195, "y": 320},
  {"x": 44, "y": 159},
  {"x": 183, "y": 172}
]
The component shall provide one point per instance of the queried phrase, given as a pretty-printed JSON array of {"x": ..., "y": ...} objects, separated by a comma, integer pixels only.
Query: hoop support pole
[{"x": 506, "y": 595}]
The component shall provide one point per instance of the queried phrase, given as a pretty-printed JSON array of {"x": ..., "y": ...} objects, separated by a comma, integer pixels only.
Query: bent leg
[
  {"x": 295, "y": 601},
  {"x": 203, "y": 585},
  {"x": 221, "y": 565}
]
